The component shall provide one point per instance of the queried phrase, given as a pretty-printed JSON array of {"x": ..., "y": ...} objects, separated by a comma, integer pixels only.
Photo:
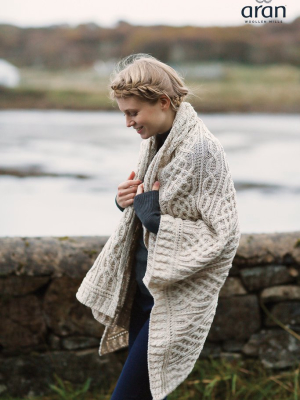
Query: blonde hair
[{"x": 146, "y": 77}]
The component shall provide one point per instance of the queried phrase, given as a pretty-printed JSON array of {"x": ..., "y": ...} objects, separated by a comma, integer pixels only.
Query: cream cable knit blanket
[{"x": 188, "y": 260}]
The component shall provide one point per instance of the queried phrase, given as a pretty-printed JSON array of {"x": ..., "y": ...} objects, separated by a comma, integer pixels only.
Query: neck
[{"x": 169, "y": 121}]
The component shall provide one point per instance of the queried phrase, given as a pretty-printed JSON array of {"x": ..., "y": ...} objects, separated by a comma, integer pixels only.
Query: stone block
[
  {"x": 210, "y": 350},
  {"x": 49, "y": 256},
  {"x": 268, "y": 248},
  {"x": 257, "y": 278},
  {"x": 236, "y": 318},
  {"x": 230, "y": 356},
  {"x": 54, "y": 341},
  {"x": 79, "y": 342},
  {"x": 288, "y": 312},
  {"x": 232, "y": 287},
  {"x": 20, "y": 285},
  {"x": 234, "y": 270},
  {"x": 276, "y": 348},
  {"x": 281, "y": 293},
  {"x": 22, "y": 324},
  {"x": 64, "y": 314},
  {"x": 233, "y": 345}
]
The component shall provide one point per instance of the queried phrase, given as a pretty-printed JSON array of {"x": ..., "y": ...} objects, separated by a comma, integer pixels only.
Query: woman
[{"x": 156, "y": 282}]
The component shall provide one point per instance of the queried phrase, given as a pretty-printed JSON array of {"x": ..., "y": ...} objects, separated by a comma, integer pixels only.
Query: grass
[
  {"x": 211, "y": 379},
  {"x": 240, "y": 88}
]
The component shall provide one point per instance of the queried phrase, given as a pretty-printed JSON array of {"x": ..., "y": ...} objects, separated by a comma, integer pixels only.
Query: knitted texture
[{"x": 188, "y": 259}]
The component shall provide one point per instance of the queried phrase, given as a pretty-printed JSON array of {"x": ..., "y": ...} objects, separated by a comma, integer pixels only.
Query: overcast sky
[{"x": 107, "y": 13}]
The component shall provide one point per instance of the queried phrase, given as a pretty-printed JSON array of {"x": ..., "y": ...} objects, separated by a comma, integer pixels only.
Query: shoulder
[
  {"x": 202, "y": 151},
  {"x": 201, "y": 141}
]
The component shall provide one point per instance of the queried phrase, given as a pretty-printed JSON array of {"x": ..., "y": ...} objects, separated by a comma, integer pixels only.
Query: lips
[{"x": 139, "y": 129}]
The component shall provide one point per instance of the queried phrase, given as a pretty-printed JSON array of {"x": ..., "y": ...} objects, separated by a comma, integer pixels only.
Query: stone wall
[{"x": 45, "y": 330}]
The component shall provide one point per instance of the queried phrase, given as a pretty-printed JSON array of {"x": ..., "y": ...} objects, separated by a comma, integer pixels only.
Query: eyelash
[{"x": 132, "y": 115}]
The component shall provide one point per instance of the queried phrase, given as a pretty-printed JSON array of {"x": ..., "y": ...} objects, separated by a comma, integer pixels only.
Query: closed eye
[{"x": 132, "y": 114}]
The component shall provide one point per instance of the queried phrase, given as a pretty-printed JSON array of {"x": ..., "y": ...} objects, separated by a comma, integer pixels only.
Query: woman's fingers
[
  {"x": 127, "y": 195},
  {"x": 131, "y": 175},
  {"x": 127, "y": 190},
  {"x": 156, "y": 186},
  {"x": 127, "y": 184},
  {"x": 125, "y": 201},
  {"x": 123, "y": 191},
  {"x": 130, "y": 180},
  {"x": 140, "y": 189}
]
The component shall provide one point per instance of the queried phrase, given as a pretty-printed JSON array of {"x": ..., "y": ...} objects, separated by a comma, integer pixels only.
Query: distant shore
[
  {"x": 74, "y": 100},
  {"x": 239, "y": 88}
]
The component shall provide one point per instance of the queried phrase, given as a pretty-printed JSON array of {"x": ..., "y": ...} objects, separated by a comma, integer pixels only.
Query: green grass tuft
[{"x": 211, "y": 379}]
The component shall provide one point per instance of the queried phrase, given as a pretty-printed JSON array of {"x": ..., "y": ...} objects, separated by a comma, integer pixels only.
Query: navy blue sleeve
[
  {"x": 146, "y": 206},
  {"x": 119, "y": 207}
]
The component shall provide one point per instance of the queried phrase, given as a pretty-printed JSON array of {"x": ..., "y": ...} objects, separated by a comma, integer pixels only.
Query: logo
[{"x": 263, "y": 11}]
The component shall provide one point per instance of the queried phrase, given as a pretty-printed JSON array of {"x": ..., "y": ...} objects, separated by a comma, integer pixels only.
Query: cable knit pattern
[{"x": 188, "y": 259}]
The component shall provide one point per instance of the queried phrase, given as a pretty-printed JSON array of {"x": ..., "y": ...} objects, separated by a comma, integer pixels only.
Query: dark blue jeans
[{"x": 133, "y": 383}]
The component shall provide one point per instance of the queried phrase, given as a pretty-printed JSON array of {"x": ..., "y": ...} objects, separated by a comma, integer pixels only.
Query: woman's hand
[
  {"x": 129, "y": 188},
  {"x": 140, "y": 188},
  {"x": 127, "y": 191}
]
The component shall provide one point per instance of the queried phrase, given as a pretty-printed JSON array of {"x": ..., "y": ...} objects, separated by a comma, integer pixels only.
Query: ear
[{"x": 164, "y": 102}]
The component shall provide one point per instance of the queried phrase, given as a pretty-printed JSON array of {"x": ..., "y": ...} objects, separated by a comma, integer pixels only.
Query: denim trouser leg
[{"x": 133, "y": 383}]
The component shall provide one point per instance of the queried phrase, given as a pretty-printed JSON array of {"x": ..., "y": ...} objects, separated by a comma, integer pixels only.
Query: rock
[
  {"x": 79, "y": 342},
  {"x": 64, "y": 314},
  {"x": 22, "y": 324},
  {"x": 281, "y": 293},
  {"x": 231, "y": 356},
  {"x": 293, "y": 272},
  {"x": 287, "y": 312},
  {"x": 266, "y": 248},
  {"x": 210, "y": 350},
  {"x": 261, "y": 277},
  {"x": 275, "y": 348},
  {"x": 236, "y": 318},
  {"x": 3, "y": 388},
  {"x": 20, "y": 285},
  {"x": 234, "y": 270},
  {"x": 233, "y": 345},
  {"x": 29, "y": 256},
  {"x": 232, "y": 287},
  {"x": 49, "y": 256},
  {"x": 54, "y": 342},
  {"x": 32, "y": 373},
  {"x": 251, "y": 348}
]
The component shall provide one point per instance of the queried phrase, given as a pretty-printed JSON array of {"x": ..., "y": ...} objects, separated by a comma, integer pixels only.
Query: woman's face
[{"x": 147, "y": 119}]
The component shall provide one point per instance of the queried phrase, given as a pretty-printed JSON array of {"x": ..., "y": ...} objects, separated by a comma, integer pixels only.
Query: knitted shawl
[{"x": 188, "y": 259}]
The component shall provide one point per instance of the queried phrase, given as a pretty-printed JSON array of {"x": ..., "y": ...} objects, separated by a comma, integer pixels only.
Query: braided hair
[{"x": 147, "y": 78}]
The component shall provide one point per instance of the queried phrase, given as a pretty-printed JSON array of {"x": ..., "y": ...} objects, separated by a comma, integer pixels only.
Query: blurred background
[{"x": 64, "y": 146}]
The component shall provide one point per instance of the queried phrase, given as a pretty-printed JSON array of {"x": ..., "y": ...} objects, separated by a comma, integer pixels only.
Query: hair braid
[{"x": 147, "y": 78}]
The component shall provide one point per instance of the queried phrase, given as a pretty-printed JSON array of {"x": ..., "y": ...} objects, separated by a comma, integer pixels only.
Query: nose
[{"x": 129, "y": 121}]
